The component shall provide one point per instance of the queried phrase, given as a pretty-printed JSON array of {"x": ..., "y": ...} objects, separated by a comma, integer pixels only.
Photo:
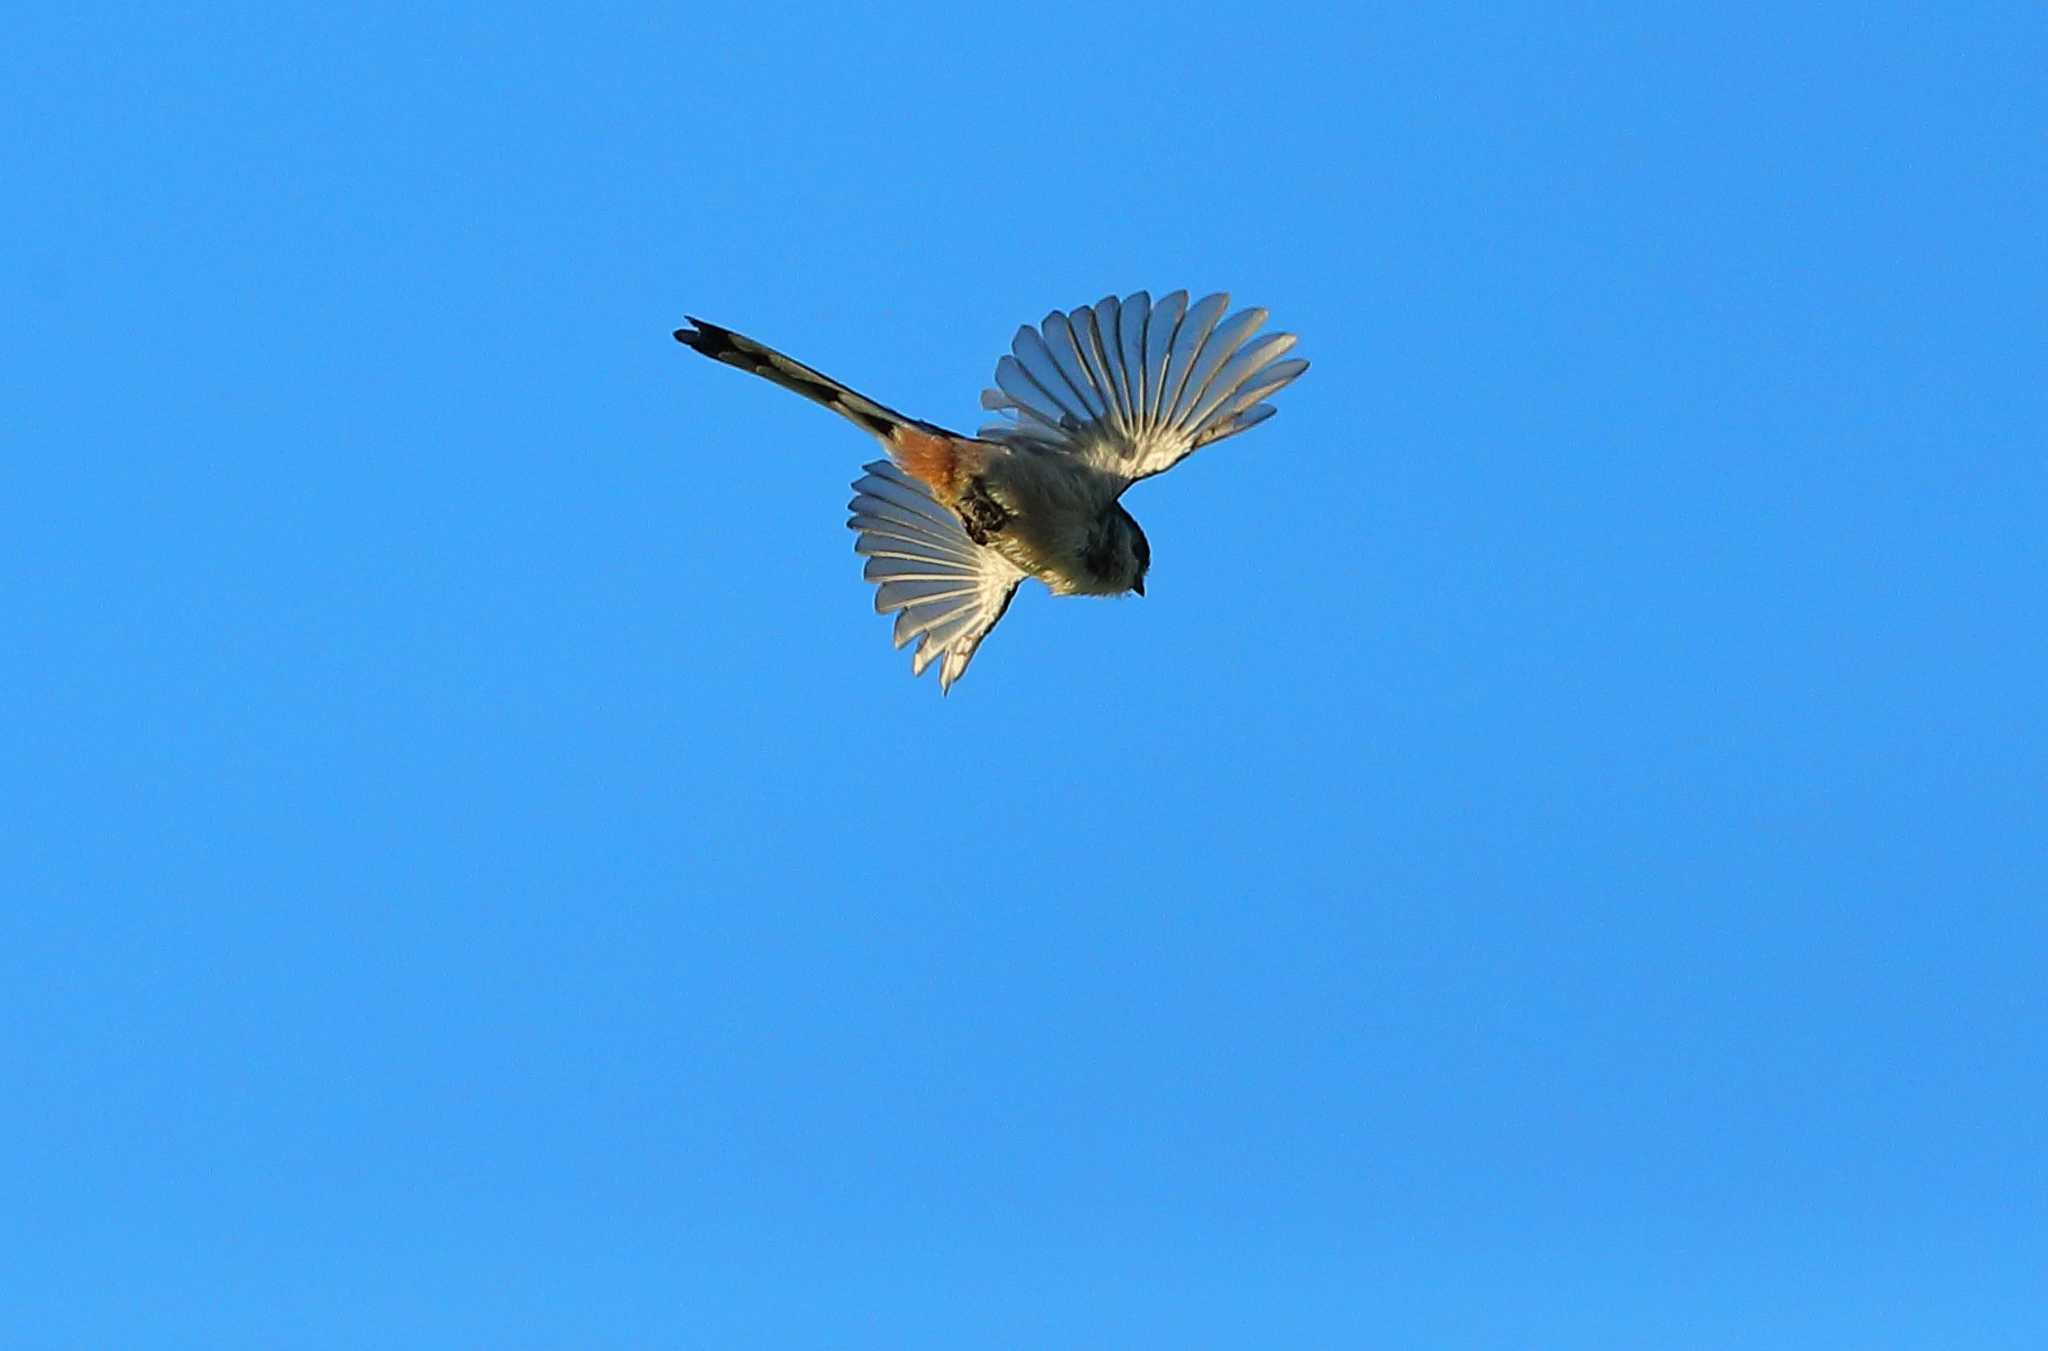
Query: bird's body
[
  {"x": 1056, "y": 521},
  {"x": 1096, "y": 399}
]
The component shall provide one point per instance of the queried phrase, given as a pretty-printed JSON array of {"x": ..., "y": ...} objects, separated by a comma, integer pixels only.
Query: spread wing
[
  {"x": 1133, "y": 387},
  {"x": 946, "y": 590}
]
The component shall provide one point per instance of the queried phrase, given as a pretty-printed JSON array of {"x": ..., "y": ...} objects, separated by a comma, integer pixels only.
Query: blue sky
[{"x": 1557, "y": 859}]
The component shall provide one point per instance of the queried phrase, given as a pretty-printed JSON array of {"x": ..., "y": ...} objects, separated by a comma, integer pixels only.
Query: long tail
[
  {"x": 722, "y": 344},
  {"x": 930, "y": 452}
]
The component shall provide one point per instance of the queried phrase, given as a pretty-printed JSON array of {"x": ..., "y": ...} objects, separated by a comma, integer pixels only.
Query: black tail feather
[{"x": 735, "y": 349}]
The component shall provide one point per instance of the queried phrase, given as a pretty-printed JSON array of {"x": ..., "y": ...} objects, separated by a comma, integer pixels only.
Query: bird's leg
[{"x": 980, "y": 514}]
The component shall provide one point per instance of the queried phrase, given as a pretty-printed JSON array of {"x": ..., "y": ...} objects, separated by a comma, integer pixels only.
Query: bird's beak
[{"x": 1139, "y": 586}]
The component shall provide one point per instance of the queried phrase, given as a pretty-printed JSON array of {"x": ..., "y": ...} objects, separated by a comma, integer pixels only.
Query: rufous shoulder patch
[{"x": 933, "y": 458}]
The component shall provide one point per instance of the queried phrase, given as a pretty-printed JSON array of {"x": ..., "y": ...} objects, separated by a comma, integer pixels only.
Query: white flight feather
[{"x": 1131, "y": 387}]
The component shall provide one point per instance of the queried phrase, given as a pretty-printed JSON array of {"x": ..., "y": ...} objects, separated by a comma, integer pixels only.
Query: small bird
[{"x": 1089, "y": 402}]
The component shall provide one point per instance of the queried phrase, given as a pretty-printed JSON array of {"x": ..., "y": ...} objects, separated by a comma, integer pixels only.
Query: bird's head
[{"x": 1118, "y": 555}]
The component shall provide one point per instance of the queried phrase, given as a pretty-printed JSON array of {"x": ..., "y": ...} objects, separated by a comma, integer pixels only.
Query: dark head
[{"x": 1115, "y": 558}]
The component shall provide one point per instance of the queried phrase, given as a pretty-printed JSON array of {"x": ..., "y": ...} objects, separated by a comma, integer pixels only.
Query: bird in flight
[{"x": 1088, "y": 403}]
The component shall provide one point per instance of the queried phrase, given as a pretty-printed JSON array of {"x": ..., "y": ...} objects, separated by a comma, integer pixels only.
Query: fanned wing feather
[
  {"x": 1208, "y": 360},
  {"x": 1088, "y": 345},
  {"x": 1131, "y": 321},
  {"x": 1187, "y": 343},
  {"x": 1159, "y": 335},
  {"x": 1230, "y": 377},
  {"x": 1066, "y": 355},
  {"x": 946, "y": 591},
  {"x": 1036, "y": 362},
  {"x": 1133, "y": 387}
]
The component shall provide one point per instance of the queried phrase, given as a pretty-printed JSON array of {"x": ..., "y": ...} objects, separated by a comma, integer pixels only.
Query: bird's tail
[{"x": 734, "y": 349}]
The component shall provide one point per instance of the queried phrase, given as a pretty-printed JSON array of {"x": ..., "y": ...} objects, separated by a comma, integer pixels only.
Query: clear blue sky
[{"x": 1558, "y": 858}]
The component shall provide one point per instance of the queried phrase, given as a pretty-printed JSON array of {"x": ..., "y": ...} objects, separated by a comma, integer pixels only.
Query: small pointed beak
[{"x": 1139, "y": 586}]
